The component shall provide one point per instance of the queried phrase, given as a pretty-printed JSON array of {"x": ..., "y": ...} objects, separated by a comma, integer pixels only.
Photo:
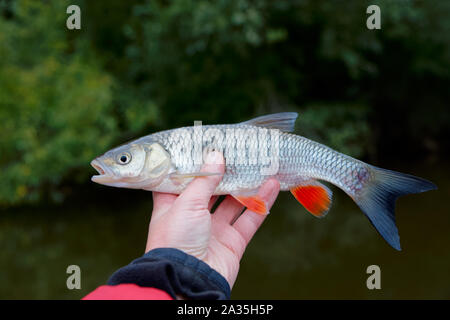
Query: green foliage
[
  {"x": 138, "y": 66},
  {"x": 346, "y": 126},
  {"x": 53, "y": 104},
  {"x": 56, "y": 104},
  {"x": 227, "y": 60}
]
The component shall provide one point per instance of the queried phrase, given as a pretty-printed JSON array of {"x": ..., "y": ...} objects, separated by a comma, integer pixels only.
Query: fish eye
[{"x": 124, "y": 158}]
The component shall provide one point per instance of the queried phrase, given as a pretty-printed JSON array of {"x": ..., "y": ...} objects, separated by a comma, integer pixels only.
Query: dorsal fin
[{"x": 284, "y": 121}]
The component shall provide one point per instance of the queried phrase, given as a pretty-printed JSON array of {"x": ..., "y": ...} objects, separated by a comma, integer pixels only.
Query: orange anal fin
[
  {"x": 315, "y": 198},
  {"x": 253, "y": 203}
]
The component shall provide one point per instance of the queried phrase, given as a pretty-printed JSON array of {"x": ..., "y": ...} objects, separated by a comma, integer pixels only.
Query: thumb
[{"x": 201, "y": 189}]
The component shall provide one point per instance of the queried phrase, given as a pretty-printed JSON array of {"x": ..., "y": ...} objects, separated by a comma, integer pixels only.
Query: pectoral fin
[
  {"x": 179, "y": 178},
  {"x": 314, "y": 196},
  {"x": 252, "y": 201}
]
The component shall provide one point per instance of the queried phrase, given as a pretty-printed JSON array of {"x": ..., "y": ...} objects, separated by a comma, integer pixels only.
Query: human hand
[{"x": 184, "y": 222}]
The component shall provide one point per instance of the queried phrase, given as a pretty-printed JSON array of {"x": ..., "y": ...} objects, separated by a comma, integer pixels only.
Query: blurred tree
[
  {"x": 139, "y": 66},
  {"x": 56, "y": 104},
  {"x": 227, "y": 60}
]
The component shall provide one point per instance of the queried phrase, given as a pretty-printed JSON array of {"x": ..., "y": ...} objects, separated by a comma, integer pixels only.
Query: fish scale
[{"x": 300, "y": 159}]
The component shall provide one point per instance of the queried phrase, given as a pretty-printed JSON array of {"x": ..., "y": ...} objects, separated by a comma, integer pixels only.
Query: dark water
[{"x": 293, "y": 256}]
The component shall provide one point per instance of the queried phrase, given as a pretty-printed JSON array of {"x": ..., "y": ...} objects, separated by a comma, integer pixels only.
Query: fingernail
[{"x": 213, "y": 157}]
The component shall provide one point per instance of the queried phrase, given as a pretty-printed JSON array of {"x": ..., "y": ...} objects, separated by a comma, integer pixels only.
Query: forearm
[{"x": 172, "y": 271}]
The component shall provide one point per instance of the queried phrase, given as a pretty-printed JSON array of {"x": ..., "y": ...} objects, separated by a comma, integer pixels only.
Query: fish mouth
[
  {"x": 103, "y": 175},
  {"x": 97, "y": 167}
]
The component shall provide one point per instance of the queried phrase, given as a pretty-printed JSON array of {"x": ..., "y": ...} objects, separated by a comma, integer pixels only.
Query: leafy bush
[
  {"x": 138, "y": 66},
  {"x": 56, "y": 104}
]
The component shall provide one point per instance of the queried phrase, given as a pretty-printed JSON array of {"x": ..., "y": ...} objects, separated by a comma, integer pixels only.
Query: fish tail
[{"x": 378, "y": 196}]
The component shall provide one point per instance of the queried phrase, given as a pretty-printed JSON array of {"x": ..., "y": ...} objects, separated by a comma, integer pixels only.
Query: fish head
[{"x": 134, "y": 165}]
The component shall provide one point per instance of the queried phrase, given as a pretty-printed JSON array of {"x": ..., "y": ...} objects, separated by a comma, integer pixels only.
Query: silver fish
[{"x": 255, "y": 151}]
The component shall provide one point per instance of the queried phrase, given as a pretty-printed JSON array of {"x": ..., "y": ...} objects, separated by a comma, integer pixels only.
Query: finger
[
  {"x": 228, "y": 210},
  {"x": 200, "y": 190},
  {"x": 249, "y": 222},
  {"x": 161, "y": 203}
]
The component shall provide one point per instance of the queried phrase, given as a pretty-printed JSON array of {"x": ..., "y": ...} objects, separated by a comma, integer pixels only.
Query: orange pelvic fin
[
  {"x": 315, "y": 197},
  {"x": 253, "y": 203}
]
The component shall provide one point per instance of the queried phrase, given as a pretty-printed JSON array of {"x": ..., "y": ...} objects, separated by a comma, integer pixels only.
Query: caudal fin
[{"x": 377, "y": 199}]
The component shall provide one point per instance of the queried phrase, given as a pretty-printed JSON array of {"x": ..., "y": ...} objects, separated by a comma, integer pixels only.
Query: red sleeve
[{"x": 127, "y": 292}]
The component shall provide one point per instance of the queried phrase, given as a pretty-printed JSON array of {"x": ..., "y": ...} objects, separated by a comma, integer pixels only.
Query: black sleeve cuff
[{"x": 175, "y": 272}]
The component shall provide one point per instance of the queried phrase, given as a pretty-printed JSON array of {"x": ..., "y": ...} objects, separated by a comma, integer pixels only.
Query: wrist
[
  {"x": 226, "y": 266},
  {"x": 175, "y": 272}
]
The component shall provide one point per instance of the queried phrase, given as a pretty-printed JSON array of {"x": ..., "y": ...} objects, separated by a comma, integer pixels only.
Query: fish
[{"x": 255, "y": 151}]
